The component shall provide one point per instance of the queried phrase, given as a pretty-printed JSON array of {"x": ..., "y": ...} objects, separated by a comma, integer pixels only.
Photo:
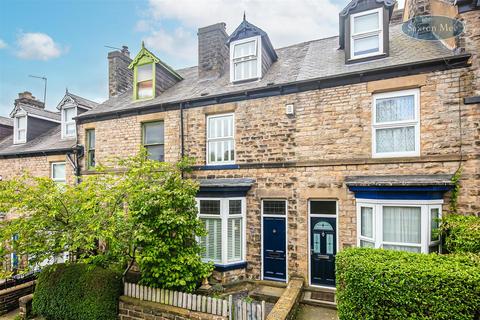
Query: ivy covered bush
[
  {"x": 462, "y": 233},
  {"x": 385, "y": 284},
  {"x": 77, "y": 292}
]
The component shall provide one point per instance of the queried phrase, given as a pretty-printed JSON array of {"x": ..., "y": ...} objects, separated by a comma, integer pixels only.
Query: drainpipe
[{"x": 182, "y": 136}]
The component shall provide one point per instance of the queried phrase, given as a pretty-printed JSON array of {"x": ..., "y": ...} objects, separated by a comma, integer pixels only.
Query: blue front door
[
  {"x": 274, "y": 249},
  {"x": 323, "y": 248}
]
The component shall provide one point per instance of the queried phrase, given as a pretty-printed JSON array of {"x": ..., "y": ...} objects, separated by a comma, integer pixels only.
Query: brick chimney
[
  {"x": 212, "y": 51},
  {"x": 120, "y": 78},
  {"x": 26, "y": 98}
]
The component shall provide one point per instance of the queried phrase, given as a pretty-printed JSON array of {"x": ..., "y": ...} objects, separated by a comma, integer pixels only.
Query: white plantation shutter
[
  {"x": 212, "y": 243},
  {"x": 234, "y": 239},
  {"x": 220, "y": 139}
]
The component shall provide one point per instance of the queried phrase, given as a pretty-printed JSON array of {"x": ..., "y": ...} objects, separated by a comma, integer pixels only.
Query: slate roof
[
  {"x": 47, "y": 142},
  {"x": 406, "y": 180},
  {"x": 40, "y": 112},
  {"x": 87, "y": 104},
  {"x": 310, "y": 60},
  {"x": 6, "y": 121}
]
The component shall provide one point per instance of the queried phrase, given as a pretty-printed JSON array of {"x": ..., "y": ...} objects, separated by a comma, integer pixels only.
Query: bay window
[
  {"x": 224, "y": 220},
  {"x": 396, "y": 128},
  {"x": 366, "y": 33},
  {"x": 220, "y": 139},
  {"x": 245, "y": 59},
  {"x": 404, "y": 225},
  {"x": 20, "y": 129}
]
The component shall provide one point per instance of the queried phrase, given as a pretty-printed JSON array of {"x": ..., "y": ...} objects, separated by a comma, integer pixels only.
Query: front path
[{"x": 306, "y": 312}]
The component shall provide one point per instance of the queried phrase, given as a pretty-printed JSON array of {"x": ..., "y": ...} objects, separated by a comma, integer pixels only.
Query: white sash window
[
  {"x": 220, "y": 139},
  {"x": 245, "y": 59},
  {"x": 366, "y": 33},
  {"x": 396, "y": 124}
]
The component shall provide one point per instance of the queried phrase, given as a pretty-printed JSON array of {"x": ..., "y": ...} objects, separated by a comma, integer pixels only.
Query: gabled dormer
[
  {"x": 69, "y": 107},
  {"x": 364, "y": 33},
  {"x": 251, "y": 53},
  {"x": 151, "y": 76},
  {"x": 30, "y": 119}
]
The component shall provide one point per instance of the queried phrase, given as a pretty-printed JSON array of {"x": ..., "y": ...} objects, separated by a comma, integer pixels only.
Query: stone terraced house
[{"x": 300, "y": 151}]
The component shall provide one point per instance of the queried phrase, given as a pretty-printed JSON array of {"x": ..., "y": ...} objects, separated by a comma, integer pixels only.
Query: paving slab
[{"x": 306, "y": 312}]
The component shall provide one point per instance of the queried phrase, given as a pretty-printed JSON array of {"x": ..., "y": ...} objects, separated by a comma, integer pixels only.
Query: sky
[{"x": 64, "y": 40}]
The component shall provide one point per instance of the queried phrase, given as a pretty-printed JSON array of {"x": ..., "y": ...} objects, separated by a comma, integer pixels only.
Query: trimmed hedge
[
  {"x": 77, "y": 292},
  {"x": 387, "y": 284},
  {"x": 462, "y": 233}
]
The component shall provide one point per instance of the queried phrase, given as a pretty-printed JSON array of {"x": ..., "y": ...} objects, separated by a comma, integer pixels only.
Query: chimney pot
[
  {"x": 125, "y": 51},
  {"x": 27, "y": 99}
]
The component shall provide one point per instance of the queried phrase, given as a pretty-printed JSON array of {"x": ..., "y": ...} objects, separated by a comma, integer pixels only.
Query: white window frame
[
  {"x": 258, "y": 46},
  {"x": 369, "y": 33},
  {"x": 52, "y": 165},
  {"x": 220, "y": 139},
  {"x": 16, "y": 129},
  {"x": 65, "y": 123},
  {"x": 396, "y": 124},
  {"x": 224, "y": 217},
  {"x": 378, "y": 204}
]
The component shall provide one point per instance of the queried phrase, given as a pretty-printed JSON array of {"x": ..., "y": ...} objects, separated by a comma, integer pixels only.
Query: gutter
[
  {"x": 36, "y": 153},
  {"x": 457, "y": 61}
]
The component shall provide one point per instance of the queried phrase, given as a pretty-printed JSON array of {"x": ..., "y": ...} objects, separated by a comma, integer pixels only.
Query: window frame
[
  {"x": 89, "y": 147},
  {"x": 380, "y": 32},
  {"x": 224, "y": 217},
  {"x": 52, "y": 165},
  {"x": 65, "y": 123},
  {"x": 258, "y": 47},
  {"x": 396, "y": 124},
  {"x": 208, "y": 140},
  {"x": 425, "y": 222},
  {"x": 17, "y": 129},
  {"x": 144, "y": 124},
  {"x": 136, "y": 82}
]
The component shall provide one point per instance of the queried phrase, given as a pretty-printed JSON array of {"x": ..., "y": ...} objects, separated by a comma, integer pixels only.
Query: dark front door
[
  {"x": 323, "y": 248},
  {"x": 274, "y": 248}
]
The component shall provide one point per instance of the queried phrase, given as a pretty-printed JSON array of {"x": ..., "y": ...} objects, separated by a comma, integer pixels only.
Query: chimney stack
[
  {"x": 212, "y": 51},
  {"x": 26, "y": 98},
  {"x": 416, "y": 8},
  {"x": 120, "y": 78}
]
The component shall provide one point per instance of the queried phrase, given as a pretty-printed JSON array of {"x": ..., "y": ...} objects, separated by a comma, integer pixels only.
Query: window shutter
[
  {"x": 213, "y": 241},
  {"x": 234, "y": 239}
]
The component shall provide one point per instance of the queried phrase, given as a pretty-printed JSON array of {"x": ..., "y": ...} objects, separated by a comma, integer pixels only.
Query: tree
[{"x": 143, "y": 213}]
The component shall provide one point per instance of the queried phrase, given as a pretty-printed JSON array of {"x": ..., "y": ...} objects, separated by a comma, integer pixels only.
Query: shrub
[
  {"x": 383, "y": 284},
  {"x": 462, "y": 233},
  {"x": 77, "y": 292}
]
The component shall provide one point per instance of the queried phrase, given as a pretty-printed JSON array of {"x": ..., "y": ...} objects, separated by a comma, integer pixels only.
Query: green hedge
[
  {"x": 462, "y": 233},
  {"x": 77, "y": 292},
  {"x": 386, "y": 284}
]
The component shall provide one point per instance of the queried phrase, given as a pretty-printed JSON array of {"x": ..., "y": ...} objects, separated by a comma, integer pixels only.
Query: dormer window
[
  {"x": 245, "y": 59},
  {"x": 69, "y": 127},
  {"x": 366, "y": 33},
  {"x": 144, "y": 81},
  {"x": 20, "y": 124}
]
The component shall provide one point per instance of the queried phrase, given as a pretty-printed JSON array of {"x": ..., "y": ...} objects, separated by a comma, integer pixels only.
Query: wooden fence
[{"x": 238, "y": 310}]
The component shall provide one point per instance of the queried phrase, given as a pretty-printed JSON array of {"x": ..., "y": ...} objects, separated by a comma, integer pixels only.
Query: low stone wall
[
  {"x": 9, "y": 297},
  {"x": 285, "y": 306},
  {"x": 25, "y": 304},
  {"x": 135, "y": 309}
]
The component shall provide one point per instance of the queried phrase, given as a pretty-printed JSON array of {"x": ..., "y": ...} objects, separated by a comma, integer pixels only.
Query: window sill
[
  {"x": 395, "y": 155},
  {"x": 230, "y": 266},
  {"x": 218, "y": 167},
  {"x": 366, "y": 58}
]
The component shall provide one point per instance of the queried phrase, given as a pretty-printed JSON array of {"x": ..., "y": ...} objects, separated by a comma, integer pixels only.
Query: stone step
[
  {"x": 267, "y": 292},
  {"x": 320, "y": 297}
]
